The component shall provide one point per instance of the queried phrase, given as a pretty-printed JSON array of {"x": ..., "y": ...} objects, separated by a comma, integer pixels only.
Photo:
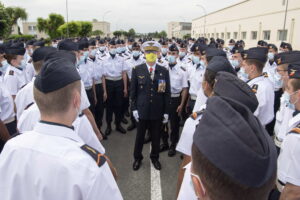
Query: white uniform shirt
[
  {"x": 14, "y": 79},
  {"x": 200, "y": 101},
  {"x": 29, "y": 72},
  {"x": 283, "y": 116},
  {"x": 86, "y": 72},
  {"x": 6, "y": 105},
  {"x": 98, "y": 72},
  {"x": 178, "y": 79},
  {"x": 271, "y": 71},
  {"x": 131, "y": 63},
  {"x": 265, "y": 97},
  {"x": 186, "y": 139},
  {"x": 187, "y": 191},
  {"x": 24, "y": 98},
  {"x": 196, "y": 75},
  {"x": 289, "y": 160},
  {"x": 48, "y": 163},
  {"x": 113, "y": 67},
  {"x": 162, "y": 62}
]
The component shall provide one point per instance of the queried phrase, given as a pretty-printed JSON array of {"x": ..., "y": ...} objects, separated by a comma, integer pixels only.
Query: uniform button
[
  {"x": 151, "y": 95},
  {"x": 150, "y": 101}
]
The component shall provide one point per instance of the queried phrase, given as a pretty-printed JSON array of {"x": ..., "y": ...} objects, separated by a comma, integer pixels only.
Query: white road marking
[{"x": 155, "y": 183}]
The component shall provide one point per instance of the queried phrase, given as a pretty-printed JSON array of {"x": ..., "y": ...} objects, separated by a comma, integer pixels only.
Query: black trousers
[
  {"x": 99, "y": 108},
  {"x": 190, "y": 106},
  {"x": 90, "y": 95},
  {"x": 174, "y": 122},
  {"x": 271, "y": 125},
  {"x": 12, "y": 130},
  {"x": 154, "y": 127},
  {"x": 125, "y": 106},
  {"x": 115, "y": 98}
]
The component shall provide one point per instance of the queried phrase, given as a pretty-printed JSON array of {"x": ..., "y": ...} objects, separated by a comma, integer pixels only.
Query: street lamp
[
  {"x": 67, "y": 13},
  {"x": 284, "y": 23},
  {"x": 205, "y": 13},
  {"x": 105, "y": 14}
]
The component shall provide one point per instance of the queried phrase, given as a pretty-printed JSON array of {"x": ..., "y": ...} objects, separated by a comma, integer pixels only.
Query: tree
[
  {"x": 4, "y": 21},
  {"x": 85, "y": 28},
  {"x": 187, "y": 36},
  {"x": 162, "y": 34},
  {"x": 117, "y": 33},
  {"x": 131, "y": 33},
  {"x": 51, "y": 24},
  {"x": 74, "y": 28},
  {"x": 96, "y": 33},
  {"x": 15, "y": 13}
]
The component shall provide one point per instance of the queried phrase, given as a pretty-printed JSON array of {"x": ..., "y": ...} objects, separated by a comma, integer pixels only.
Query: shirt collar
[
  {"x": 59, "y": 130},
  {"x": 154, "y": 66}
]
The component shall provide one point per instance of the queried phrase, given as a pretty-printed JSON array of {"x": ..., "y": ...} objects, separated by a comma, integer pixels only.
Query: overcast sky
[{"x": 142, "y": 15}]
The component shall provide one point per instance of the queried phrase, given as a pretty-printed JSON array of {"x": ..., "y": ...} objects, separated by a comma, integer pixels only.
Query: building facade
[
  {"x": 30, "y": 28},
  {"x": 253, "y": 20},
  {"x": 102, "y": 26},
  {"x": 179, "y": 29}
]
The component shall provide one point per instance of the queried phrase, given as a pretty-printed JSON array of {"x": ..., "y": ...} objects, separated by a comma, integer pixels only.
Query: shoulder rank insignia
[
  {"x": 195, "y": 115},
  {"x": 98, "y": 157},
  {"x": 265, "y": 74},
  {"x": 141, "y": 77},
  {"x": 296, "y": 129},
  {"x": 11, "y": 72},
  {"x": 254, "y": 88},
  {"x": 183, "y": 68}
]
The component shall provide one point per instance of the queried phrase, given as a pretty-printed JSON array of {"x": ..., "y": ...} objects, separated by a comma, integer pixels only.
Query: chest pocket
[{"x": 176, "y": 80}]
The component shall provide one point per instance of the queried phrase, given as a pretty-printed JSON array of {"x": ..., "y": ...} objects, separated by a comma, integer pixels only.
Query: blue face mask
[
  {"x": 129, "y": 47},
  {"x": 81, "y": 60},
  {"x": 243, "y": 75},
  {"x": 135, "y": 54},
  {"x": 196, "y": 60},
  {"x": 102, "y": 49},
  {"x": 93, "y": 52},
  {"x": 164, "y": 51},
  {"x": 4, "y": 64},
  {"x": 202, "y": 63},
  {"x": 119, "y": 50},
  {"x": 235, "y": 63},
  {"x": 123, "y": 49},
  {"x": 23, "y": 64},
  {"x": 286, "y": 99},
  {"x": 182, "y": 54},
  {"x": 86, "y": 54},
  {"x": 271, "y": 56},
  {"x": 113, "y": 51},
  {"x": 278, "y": 80},
  {"x": 172, "y": 59}
]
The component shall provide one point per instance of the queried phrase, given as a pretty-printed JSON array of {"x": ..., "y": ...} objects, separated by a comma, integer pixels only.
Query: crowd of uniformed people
[{"x": 232, "y": 114}]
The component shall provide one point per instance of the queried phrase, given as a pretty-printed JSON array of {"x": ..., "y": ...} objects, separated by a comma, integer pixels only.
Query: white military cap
[{"x": 151, "y": 46}]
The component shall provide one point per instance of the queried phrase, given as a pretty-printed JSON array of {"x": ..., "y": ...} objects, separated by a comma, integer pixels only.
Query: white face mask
[
  {"x": 271, "y": 56},
  {"x": 93, "y": 52},
  {"x": 243, "y": 75}
]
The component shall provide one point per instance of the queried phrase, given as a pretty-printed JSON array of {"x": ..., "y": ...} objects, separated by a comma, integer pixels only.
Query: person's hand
[
  {"x": 166, "y": 118},
  {"x": 136, "y": 115},
  {"x": 99, "y": 136},
  {"x": 95, "y": 99},
  {"x": 104, "y": 96},
  {"x": 125, "y": 93},
  {"x": 112, "y": 168},
  {"x": 179, "y": 109}
]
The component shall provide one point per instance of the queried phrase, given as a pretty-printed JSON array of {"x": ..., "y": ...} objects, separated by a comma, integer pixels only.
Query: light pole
[
  {"x": 284, "y": 23},
  {"x": 205, "y": 13},
  {"x": 67, "y": 12},
  {"x": 105, "y": 14}
]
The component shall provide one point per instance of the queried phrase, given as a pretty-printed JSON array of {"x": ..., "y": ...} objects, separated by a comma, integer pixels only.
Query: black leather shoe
[
  {"x": 172, "y": 151},
  {"x": 131, "y": 127},
  {"x": 127, "y": 114},
  {"x": 156, "y": 164},
  {"x": 124, "y": 121},
  {"x": 104, "y": 136},
  {"x": 164, "y": 147},
  {"x": 108, "y": 131},
  {"x": 120, "y": 129},
  {"x": 147, "y": 138},
  {"x": 136, "y": 165}
]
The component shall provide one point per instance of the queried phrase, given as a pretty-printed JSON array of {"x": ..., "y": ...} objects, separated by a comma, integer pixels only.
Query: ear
[{"x": 199, "y": 189}]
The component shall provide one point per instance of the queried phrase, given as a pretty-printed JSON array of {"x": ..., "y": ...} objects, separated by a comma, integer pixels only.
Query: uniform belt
[
  {"x": 98, "y": 82},
  {"x": 193, "y": 97},
  {"x": 114, "y": 78},
  {"x": 175, "y": 95},
  {"x": 280, "y": 185},
  {"x": 88, "y": 88},
  {"x": 9, "y": 120}
]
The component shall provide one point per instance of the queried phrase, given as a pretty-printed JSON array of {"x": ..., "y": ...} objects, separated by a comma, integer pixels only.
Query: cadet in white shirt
[
  {"x": 24, "y": 97},
  {"x": 253, "y": 64},
  {"x": 3, "y": 62},
  {"x": 60, "y": 162},
  {"x": 14, "y": 78},
  {"x": 115, "y": 68},
  {"x": 179, "y": 92},
  {"x": 102, "y": 50},
  {"x": 288, "y": 162},
  {"x": 135, "y": 60}
]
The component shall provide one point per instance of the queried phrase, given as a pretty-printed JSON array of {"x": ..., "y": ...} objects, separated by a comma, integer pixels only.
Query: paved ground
[{"x": 136, "y": 185}]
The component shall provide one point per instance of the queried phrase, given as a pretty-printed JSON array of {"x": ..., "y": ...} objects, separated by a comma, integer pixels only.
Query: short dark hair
[
  {"x": 259, "y": 65},
  {"x": 209, "y": 77},
  {"x": 10, "y": 57},
  {"x": 220, "y": 186},
  {"x": 295, "y": 84}
]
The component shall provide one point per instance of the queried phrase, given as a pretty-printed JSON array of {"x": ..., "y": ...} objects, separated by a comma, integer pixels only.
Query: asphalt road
[{"x": 136, "y": 185}]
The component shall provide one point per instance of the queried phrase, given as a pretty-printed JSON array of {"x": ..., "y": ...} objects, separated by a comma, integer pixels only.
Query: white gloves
[
  {"x": 136, "y": 115},
  {"x": 166, "y": 118}
]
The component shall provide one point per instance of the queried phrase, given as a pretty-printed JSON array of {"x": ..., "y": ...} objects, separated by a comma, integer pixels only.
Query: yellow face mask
[{"x": 151, "y": 57}]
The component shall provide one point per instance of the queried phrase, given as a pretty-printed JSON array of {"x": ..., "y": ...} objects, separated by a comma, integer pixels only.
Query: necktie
[{"x": 151, "y": 73}]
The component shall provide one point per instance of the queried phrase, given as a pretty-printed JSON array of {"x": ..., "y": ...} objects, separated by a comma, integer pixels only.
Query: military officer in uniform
[{"x": 150, "y": 101}]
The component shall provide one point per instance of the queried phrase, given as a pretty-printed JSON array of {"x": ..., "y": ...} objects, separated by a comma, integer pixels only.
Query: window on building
[
  {"x": 228, "y": 35},
  {"x": 222, "y": 35},
  {"x": 217, "y": 35},
  {"x": 208, "y": 35},
  {"x": 282, "y": 35},
  {"x": 283, "y": 2},
  {"x": 254, "y": 35},
  {"x": 235, "y": 35},
  {"x": 212, "y": 35},
  {"x": 266, "y": 35},
  {"x": 244, "y": 35}
]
